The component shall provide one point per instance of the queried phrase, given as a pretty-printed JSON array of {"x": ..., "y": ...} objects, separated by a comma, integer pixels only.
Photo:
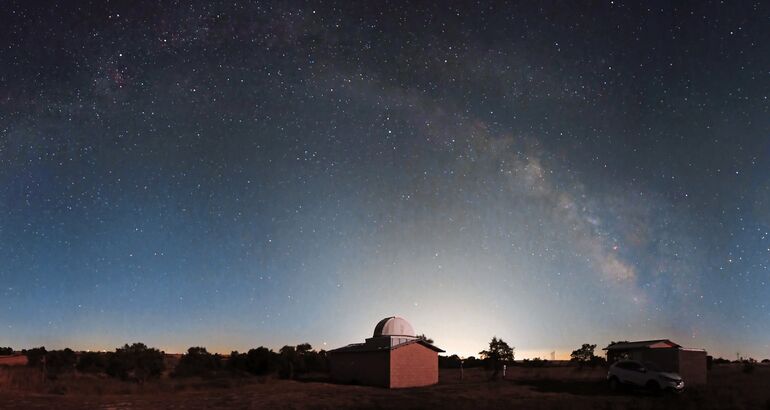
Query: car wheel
[{"x": 614, "y": 383}]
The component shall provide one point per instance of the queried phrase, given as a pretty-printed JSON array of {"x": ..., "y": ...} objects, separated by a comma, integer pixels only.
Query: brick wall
[
  {"x": 369, "y": 368},
  {"x": 413, "y": 365}
]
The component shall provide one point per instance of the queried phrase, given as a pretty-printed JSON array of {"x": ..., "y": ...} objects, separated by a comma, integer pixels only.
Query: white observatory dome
[{"x": 393, "y": 326}]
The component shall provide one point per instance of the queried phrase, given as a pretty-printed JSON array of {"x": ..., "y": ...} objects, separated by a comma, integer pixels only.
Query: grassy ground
[{"x": 524, "y": 388}]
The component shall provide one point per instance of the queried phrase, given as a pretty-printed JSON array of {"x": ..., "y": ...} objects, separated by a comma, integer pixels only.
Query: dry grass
[
  {"x": 528, "y": 388},
  {"x": 13, "y": 360}
]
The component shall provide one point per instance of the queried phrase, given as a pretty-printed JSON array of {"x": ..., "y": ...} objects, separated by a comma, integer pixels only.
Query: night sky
[{"x": 273, "y": 173}]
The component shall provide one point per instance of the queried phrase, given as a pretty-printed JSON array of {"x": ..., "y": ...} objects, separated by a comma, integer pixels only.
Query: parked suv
[{"x": 647, "y": 375}]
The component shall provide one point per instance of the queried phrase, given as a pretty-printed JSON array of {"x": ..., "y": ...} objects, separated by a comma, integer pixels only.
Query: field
[{"x": 523, "y": 388}]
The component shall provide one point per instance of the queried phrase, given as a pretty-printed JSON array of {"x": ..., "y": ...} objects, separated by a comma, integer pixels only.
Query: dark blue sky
[{"x": 274, "y": 173}]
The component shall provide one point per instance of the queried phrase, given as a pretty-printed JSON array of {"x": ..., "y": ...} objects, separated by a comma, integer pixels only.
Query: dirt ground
[{"x": 523, "y": 388}]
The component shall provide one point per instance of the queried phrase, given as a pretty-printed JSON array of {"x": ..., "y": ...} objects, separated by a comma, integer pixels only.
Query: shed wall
[
  {"x": 692, "y": 367},
  {"x": 369, "y": 368},
  {"x": 413, "y": 365},
  {"x": 666, "y": 359}
]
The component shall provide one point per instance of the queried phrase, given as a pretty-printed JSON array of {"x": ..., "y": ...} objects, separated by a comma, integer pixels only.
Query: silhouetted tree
[
  {"x": 236, "y": 362},
  {"x": 454, "y": 361},
  {"x": 289, "y": 361},
  {"x": 765, "y": 360},
  {"x": 35, "y": 357},
  {"x": 472, "y": 361},
  {"x": 425, "y": 338},
  {"x": 136, "y": 361},
  {"x": 92, "y": 362},
  {"x": 536, "y": 362},
  {"x": 261, "y": 361},
  {"x": 6, "y": 351},
  {"x": 721, "y": 360},
  {"x": 749, "y": 365},
  {"x": 198, "y": 362},
  {"x": 583, "y": 356},
  {"x": 303, "y": 348},
  {"x": 59, "y": 361},
  {"x": 449, "y": 362},
  {"x": 499, "y": 353},
  {"x": 308, "y": 360}
]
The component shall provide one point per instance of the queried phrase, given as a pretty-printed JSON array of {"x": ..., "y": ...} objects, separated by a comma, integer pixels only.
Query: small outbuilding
[
  {"x": 393, "y": 357},
  {"x": 669, "y": 356}
]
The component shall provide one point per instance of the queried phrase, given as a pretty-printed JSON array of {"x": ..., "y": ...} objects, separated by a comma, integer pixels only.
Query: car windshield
[{"x": 652, "y": 366}]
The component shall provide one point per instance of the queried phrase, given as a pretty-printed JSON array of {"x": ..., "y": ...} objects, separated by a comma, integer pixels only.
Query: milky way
[{"x": 274, "y": 173}]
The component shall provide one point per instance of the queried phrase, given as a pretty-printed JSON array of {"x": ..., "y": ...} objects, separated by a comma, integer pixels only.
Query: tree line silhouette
[{"x": 139, "y": 363}]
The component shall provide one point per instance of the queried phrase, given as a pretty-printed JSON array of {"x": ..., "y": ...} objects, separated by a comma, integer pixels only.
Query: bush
[
  {"x": 59, "y": 361},
  {"x": 300, "y": 360},
  {"x": 6, "y": 351},
  {"x": 92, "y": 362},
  {"x": 720, "y": 360},
  {"x": 449, "y": 362},
  {"x": 289, "y": 362},
  {"x": 35, "y": 356},
  {"x": 136, "y": 361},
  {"x": 198, "y": 362},
  {"x": 749, "y": 366},
  {"x": 316, "y": 361},
  {"x": 259, "y": 361},
  {"x": 536, "y": 362}
]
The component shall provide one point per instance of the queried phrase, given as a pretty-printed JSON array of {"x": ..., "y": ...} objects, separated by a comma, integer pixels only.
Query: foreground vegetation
[
  {"x": 136, "y": 376},
  {"x": 552, "y": 386}
]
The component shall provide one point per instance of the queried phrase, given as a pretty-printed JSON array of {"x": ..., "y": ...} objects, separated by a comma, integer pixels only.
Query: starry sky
[{"x": 270, "y": 173}]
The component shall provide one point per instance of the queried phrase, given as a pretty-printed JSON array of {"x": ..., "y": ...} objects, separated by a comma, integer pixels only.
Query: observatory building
[{"x": 393, "y": 357}]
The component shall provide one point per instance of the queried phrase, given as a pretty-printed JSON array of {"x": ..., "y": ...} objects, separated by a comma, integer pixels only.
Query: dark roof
[
  {"x": 644, "y": 344},
  {"x": 366, "y": 347}
]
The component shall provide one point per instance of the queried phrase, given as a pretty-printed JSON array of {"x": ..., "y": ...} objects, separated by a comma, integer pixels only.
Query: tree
[
  {"x": 449, "y": 362},
  {"x": 6, "y": 351},
  {"x": 59, "y": 361},
  {"x": 720, "y": 360},
  {"x": 499, "y": 353},
  {"x": 536, "y": 362},
  {"x": 136, "y": 361},
  {"x": 289, "y": 361},
  {"x": 585, "y": 356},
  {"x": 303, "y": 348},
  {"x": 425, "y": 338},
  {"x": 198, "y": 362},
  {"x": 92, "y": 362},
  {"x": 472, "y": 361},
  {"x": 749, "y": 365},
  {"x": 260, "y": 361},
  {"x": 308, "y": 360},
  {"x": 35, "y": 357}
]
